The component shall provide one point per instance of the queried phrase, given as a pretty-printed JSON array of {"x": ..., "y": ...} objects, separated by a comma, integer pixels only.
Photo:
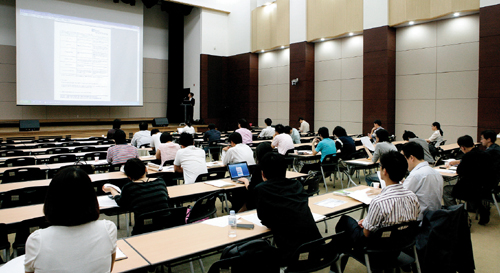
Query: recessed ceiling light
[
  {"x": 411, "y": 23},
  {"x": 262, "y": 50},
  {"x": 456, "y": 14},
  {"x": 282, "y": 46},
  {"x": 322, "y": 39},
  {"x": 350, "y": 33}
]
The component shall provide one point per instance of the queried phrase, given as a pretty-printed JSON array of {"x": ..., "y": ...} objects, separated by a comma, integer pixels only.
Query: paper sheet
[
  {"x": 362, "y": 196},
  {"x": 253, "y": 218},
  {"x": 367, "y": 143},
  {"x": 107, "y": 185},
  {"x": 318, "y": 217},
  {"x": 331, "y": 203},
  {"x": 219, "y": 183},
  {"x": 382, "y": 182},
  {"x": 14, "y": 266},
  {"x": 447, "y": 171},
  {"x": 359, "y": 162},
  {"x": 219, "y": 221},
  {"x": 120, "y": 255},
  {"x": 106, "y": 202}
]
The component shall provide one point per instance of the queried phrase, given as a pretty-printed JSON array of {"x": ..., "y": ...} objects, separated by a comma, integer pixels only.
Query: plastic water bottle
[{"x": 232, "y": 224}]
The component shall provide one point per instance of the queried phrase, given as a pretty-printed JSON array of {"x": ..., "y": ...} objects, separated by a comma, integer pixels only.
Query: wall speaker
[
  {"x": 29, "y": 125},
  {"x": 160, "y": 122}
]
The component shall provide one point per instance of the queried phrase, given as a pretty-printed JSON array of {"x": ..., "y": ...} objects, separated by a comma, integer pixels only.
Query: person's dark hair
[
  {"x": 188, "y": 124},
  {"x": 211, "y": 126},
  {"x": 273, "y": 166},
  {"x": 465, "y": 141},
  {"x": 408, "y": 134},
  {"x": 154, "y": 131},
  {"x": 262, "y": 149},
  {"x": 377, "y": 121},
  {"x": 143, "y": 126},
  {"x": 413, "y": 149},
  {"x": 186, "y": 139},
  {"x": 301, "y": 118},
  {"x": 288, "y": 129},
  {"x": 192, "y": 94},
  {"x": 438, "y": 126},
  {"x": 395, "y": 164},
  {"x": 280, "y": 128},
  {"x": 489, "y": 134},
  {"x": 243, "y": 123},
  {"x": 323, "y": 131},
  {"x": 382, "y": 135},
  {"x": 120, "y": 137},
  {"x": 117, "y": 123},
  {"x": 71, "y": 199},
  {"x": 165, "y": 137},
  {"x": 339, "y": 131},
  {"x": 134, "y": 168},
  {"x": 235, "y": 137},
  {"x": 268, "y": 121}
]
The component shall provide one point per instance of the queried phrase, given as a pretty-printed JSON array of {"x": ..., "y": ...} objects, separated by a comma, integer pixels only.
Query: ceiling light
[
  {"x": 350, "y": 33},
  {"x": 262, "y": 50},
  {"x": 322, "y": 39},
  {"x": 456, "y": 14},
  {"x": 282, "y": 46},
  {"x": 411, "y": 23}
]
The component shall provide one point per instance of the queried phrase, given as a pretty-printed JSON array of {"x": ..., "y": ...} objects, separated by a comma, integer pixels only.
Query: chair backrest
[
  {"x": 20, "y": 161},
  {"x": 84, "y": 149},
  {"x": 290, "y": 151},
  {"x": 62, "y": 158},
  {"x": 4, "y": 240},
  {"x": 57, "y": 151},
  {"x": 317, "y": 254},
  {"x": 214, "y": 143},
  {"x": 7, "y": 147},
  {"x": 160, "y": 219},
  {"x": 144, "y": 146},
  {"x": 203, "y": 208},
  {"x": 311, "y": 183},
  {"x": 6, "y": 153},
  {"x": 168, "y": 162},
  {"x": 23, "y": 197},
  {"x": 23, "y": 174},
  {"x": 89, "y": 169},
  {"x": 393, "y": 238},
  {"x": 209, "y": 176},
  {"x": 115, "y": 167},
  {"x": 92, "y": 156}
]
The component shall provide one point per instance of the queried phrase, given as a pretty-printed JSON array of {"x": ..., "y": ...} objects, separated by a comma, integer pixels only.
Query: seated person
[
  {"x": 281, "y": 140},
  {"x": 212, "y": 134},
  {"x": 423, "y": 180},
  {"x": 142, "y": 137},
  {"x": 117, "y": 123},
  {"x": 348, "y": 145},
  {"x": 155, "y": 139},
  {"x": 121, "y": 152},
  {"x": 377, "y": 125},
  {"x": 283, "y": 206},
  {"x": 237, "y": 152},
  {"x": 167, "y": 149},
  {"x": 245, "y": 133},
  {"x": 476, "y": 178},
  {"x": 76, "y": 241},
  {"x": 394, "y": 205},
  {"x": 488, "y": 139},
  {"x": 383, "y": 146},
  {"x": 141, "y": 194},
  {"x": 294, "y": 133},
  {"x": 304, "y": 125},
  {"x": 324, "y": 144},
  {"x": 411, "y": 137},
  {"x": 189, "y": 160},
  {"x": 268, "y": 131},
  {"x": 189, "y": 129},
  {"x": 437, "y": 136}
]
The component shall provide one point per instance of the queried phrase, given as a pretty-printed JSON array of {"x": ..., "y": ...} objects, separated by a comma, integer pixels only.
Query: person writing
[
  {"x": 324, "y": 144},
  {"x": 76, "y": 241},
  {"x": 377, "y": 125}
]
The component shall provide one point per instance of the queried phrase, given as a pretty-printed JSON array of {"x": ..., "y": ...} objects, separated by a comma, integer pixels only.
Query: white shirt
[
  {"x": 192, "y": 160},
  {"x": 427, "y": 184},
  {"x": 83, "y": 248},
  {"x": 436, "y": 136},
  {"x": 155, "y": 140},
  {"x": 239, "y": 153},
  {"x": 141, "y": 138},
  {"x": 304, "y": 127},
  {"x": 189, "y": 130},
  {"x": 267, "y": 132},
  {"x": 283, "y": 142}
]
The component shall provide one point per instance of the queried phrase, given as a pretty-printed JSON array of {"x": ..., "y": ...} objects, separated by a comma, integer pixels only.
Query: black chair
[
  {"x": 87, "y": 168},
  {"x": 84, "y": 149},
  {"x": 4, "y": 243},
  {"x": 57, "y": 151},
  {"x": 23, "y": 197},
  {"x": 329, "y": 167},
  {"x": 23, "y": 174},
  {"x": 317, "y": 254},
  {"x": 145, "y": 146},
  {"x": 311, "y": 183},
  {"x": 203, "y": 208},
  {"x": 107, "y": 142},
  {"x": 92, "y": 156},
  {"x": 387, "y": 248},
  {"x": 7, "y": 147},
  {"x": 23, "y": 231},
  {"x": 160, "y": 219},
  {"x": 20, "y": 161},
  {"x": 115, "y": 167},
  {"x": 62, "y": 158},
  {"x": 6, "y": 153},
  {"x": 214, "y": 150},
  {"x": 209, "y": 176}
]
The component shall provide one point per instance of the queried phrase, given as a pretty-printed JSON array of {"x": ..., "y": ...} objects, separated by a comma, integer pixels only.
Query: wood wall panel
[
  {"x": 302, "y": 94},
  {"x": 403, "y": 11},
  {"x": 333, "y": 18},
  {"x": 271, "y": 26},
  {"x": 489, "y": 69}
]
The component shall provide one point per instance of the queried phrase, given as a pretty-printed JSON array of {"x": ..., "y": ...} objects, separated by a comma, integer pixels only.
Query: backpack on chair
[{"x": 253, "y": 256}]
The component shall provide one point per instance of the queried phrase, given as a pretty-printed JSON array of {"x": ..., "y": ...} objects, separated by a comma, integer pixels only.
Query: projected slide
[
  {"x": 82, "y": 62},
  {"x": 94, "y": 59}
]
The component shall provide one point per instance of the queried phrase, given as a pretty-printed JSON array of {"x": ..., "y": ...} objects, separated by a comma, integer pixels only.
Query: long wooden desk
[{"x": 134, "y": 259}]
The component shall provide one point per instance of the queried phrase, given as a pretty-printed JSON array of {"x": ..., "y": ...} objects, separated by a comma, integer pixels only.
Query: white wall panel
[
  {"x": 328, "y": 50},
  {"x": 416, "y": 37},
  {"x": 460, "y": 57},
  {"x": 458, "y": 30},
  {"x": 417, "y": 61},
  {"x": 460, "y": 85}
]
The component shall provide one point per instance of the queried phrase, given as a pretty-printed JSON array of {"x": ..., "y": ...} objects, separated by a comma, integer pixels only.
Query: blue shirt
[
  {"x": 212, "y": 135},
  {"x": 326, "y": 147}
]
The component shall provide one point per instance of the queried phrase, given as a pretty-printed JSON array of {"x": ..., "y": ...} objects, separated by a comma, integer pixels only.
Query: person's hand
[
  {"x": 225, "y": 148},
  {"x": 360, "y": 223},
  {"x": 106, "y": 189},
  {"x": 245, "y": 181}
]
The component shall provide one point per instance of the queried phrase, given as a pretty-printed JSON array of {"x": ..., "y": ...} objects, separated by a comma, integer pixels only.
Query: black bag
[{"x": 253, "y": 256}]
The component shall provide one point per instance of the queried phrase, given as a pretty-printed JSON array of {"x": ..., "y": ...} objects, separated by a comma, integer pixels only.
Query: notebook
[{"x": 238, "y": 170}]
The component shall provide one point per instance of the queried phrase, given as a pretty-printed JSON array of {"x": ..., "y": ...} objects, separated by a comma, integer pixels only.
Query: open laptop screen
[{"x": 237, "y": 170}]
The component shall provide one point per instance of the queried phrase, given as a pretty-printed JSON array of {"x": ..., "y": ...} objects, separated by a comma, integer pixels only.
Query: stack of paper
[
  {"x": 318, "y": 217},
  {"x": 367, "y": 143},
  {"x": 106, "y": 202},
  {"x": 120, "y": 255},
  {"x": 331, "y": 203},
  {"x": 253, "y": 218},
  {"x": 363, "y": 195},
  {"x": 219, "y": 183}
]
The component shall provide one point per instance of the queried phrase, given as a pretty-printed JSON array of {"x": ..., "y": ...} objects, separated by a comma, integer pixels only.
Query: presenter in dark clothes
[{"x": 191, "y": 100}]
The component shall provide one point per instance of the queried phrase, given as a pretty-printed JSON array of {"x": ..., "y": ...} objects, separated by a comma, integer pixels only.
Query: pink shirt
[
  {"x": 246, "y": 135},
  {"x": 283, "y": 142},
  {"x": 168, "y": 151}
]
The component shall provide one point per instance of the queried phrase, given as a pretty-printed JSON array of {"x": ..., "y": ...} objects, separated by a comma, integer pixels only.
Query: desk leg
[
  {"x": 362, "y": 213},
  {"x": 227, "y": 205},
  {"x": 126, "y": 223}
]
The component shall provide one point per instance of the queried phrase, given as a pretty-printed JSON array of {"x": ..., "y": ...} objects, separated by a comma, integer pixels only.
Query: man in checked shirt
[{"x": 394, "y": 205}]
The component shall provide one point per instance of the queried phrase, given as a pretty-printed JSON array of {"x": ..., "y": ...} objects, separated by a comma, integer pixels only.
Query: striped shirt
[
  {"x": 119, "y": 154},
  {"x": 394, "y": 205},
  {"x": 141, "y": 197}
]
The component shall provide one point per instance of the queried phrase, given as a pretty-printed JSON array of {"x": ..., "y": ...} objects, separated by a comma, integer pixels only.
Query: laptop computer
[{"x": 238, "y": 170}]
